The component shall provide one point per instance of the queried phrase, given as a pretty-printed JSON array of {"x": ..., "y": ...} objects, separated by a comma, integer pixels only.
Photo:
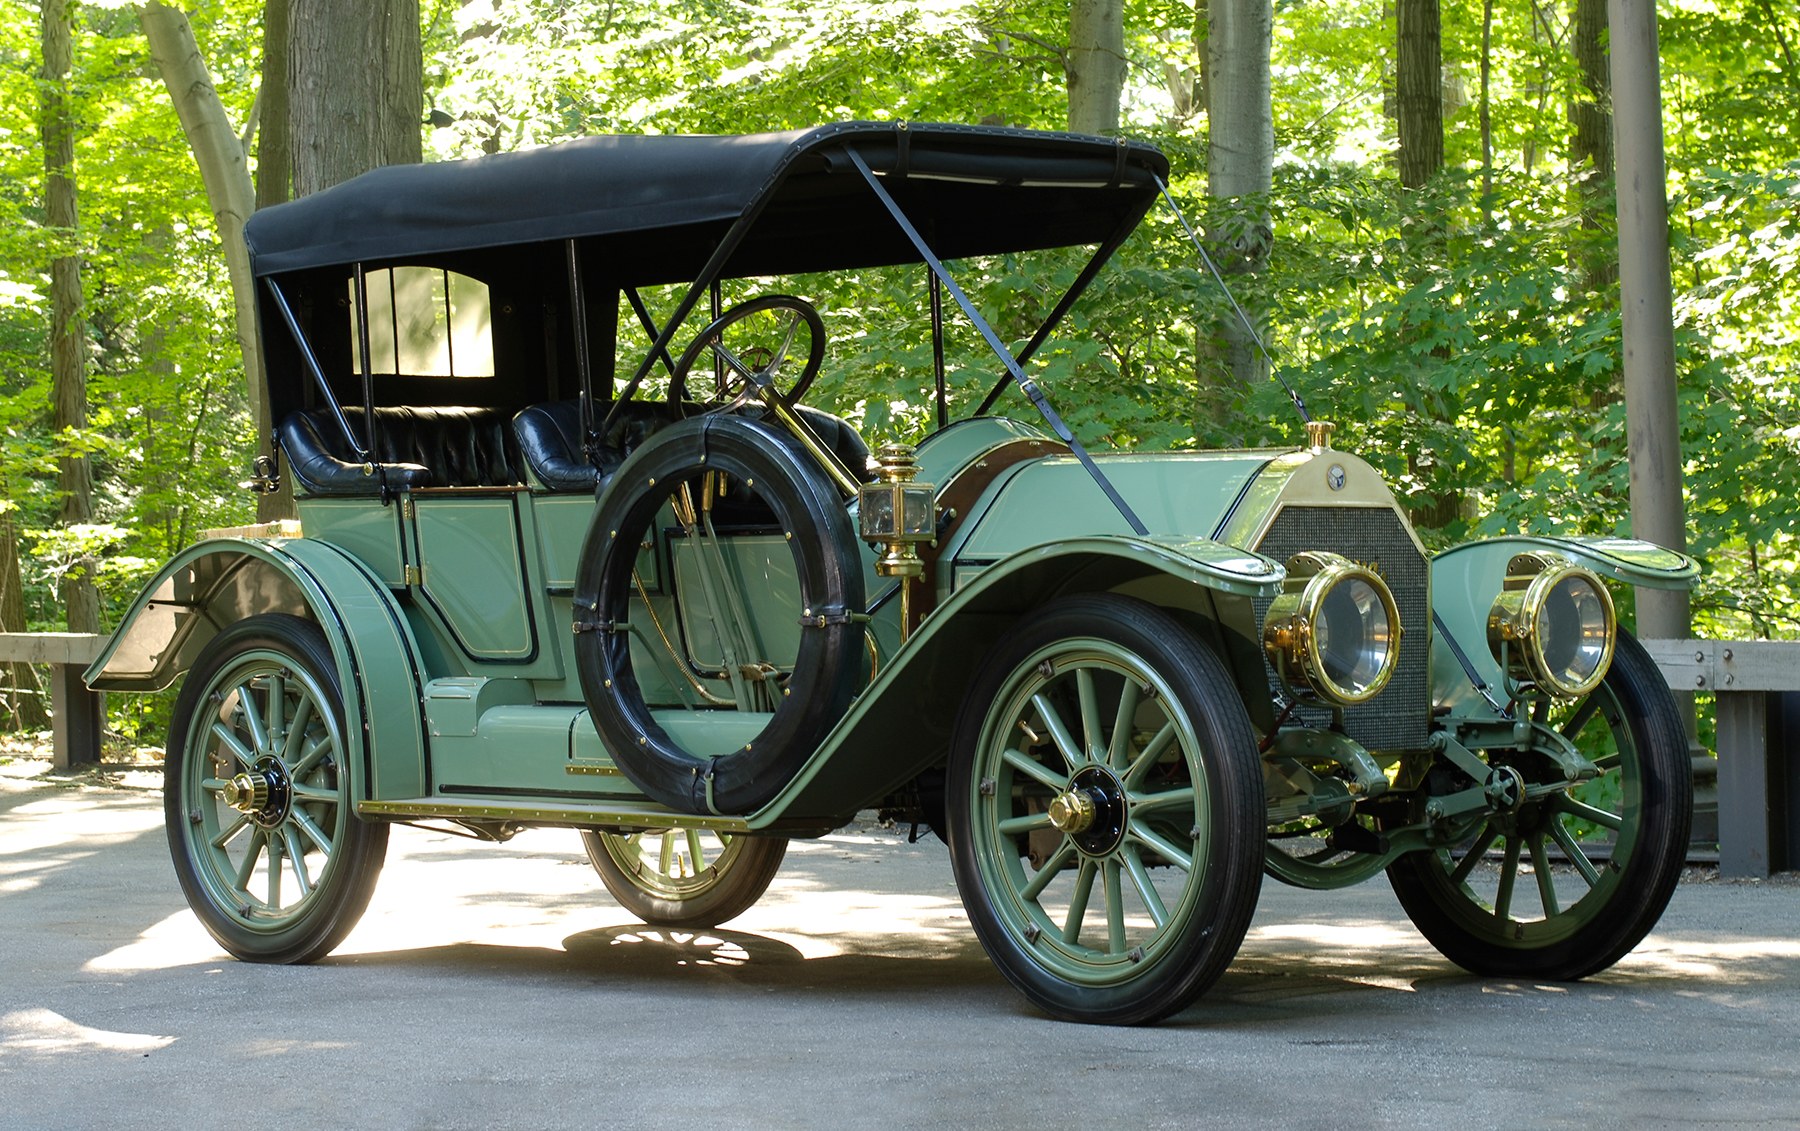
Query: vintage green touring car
[{"x": 563, "y": 562}]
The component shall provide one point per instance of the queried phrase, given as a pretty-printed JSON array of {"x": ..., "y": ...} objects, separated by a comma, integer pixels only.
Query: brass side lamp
[{"x": 897, "y": 515}]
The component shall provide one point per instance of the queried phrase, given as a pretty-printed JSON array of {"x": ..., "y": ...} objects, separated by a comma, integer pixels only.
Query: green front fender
[
  {"x": 216, "y": 583},
  {"x": 1465, "y": 580},
  {"x": 901, "y": 724}
]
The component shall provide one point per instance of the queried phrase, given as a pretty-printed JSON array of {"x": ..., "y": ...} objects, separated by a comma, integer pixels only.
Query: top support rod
[{"x": 1019, "y": 376}]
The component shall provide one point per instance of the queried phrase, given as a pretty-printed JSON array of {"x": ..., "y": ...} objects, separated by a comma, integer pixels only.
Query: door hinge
[{"x": 413, "y": 575}]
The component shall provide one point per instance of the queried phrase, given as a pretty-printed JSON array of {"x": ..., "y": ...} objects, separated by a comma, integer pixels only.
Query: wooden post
[
  {"x": 1652, "y": 428},
  {"x": 79, "y": 717}
]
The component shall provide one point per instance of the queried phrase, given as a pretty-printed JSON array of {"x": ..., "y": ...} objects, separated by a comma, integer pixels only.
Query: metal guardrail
[
  {"x": 1757, "y": 687},
  {"x": 77, "y": 715}
]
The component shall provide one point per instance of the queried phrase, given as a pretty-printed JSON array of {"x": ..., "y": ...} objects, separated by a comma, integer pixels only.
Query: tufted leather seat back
[
  {"x": 417, "y": 447},
  {"x": 550, "y": 440}
]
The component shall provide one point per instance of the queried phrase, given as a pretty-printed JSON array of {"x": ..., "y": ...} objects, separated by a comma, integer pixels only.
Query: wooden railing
[
  {"x": 77, "y": 719},
  {"x": 1756, "y": 684}
]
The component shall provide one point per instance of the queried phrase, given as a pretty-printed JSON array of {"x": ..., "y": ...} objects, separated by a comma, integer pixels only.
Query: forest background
[{"x": 1413, "y": 199}]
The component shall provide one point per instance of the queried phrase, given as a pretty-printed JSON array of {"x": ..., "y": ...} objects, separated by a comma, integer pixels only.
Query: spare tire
[{"x": 769, "y": 475}]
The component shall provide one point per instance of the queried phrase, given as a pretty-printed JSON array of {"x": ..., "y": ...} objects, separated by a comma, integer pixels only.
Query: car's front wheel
[
  {"x": 1565, "y": 885},
  {"x": 1106, "y": 811}
]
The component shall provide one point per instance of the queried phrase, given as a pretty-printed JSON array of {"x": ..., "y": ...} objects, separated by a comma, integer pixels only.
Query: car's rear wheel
[
  {"x": 1106, "y": 811},
  {"x": 1522, "y": 894},
  {"x": 684, "y": 877},
  {"x": 257, "y": 798}
]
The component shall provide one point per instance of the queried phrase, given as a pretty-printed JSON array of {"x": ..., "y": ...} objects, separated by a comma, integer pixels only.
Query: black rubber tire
[
  {"x": 1124, "y": 981},
  {"x": 729, "y": 886},
  {"x": 1614, "y": 914},
  {"x": 258, "y": 655},
  {"x": 827, "y": 563}
]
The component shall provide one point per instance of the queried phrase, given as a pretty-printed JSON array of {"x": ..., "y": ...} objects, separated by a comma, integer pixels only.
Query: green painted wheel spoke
[
  {"x": 1167, "y": 799},
  {"x": 696, "y": 853},
  {"x": 275, "y": 855},
  {"x": 296, "y": 853},
  {"x": 1573, "y": 851},
  {"x": 312, "y": 793},
  {"x": 213, "y": 785},
  {"x": 253, "y": 720},
  {"x": 1540, "y": 867},
  {"x": 229, "y": 738},
  {"x": 666, "y": 859},
  {"x": 1509, "y": 873},
  {"x": 231, "y": 830},
  {"x": 1580, "y": 719},
  {"x": 1078, "y": 902},
  {"x": 1144, "y": 834},
  {"x": 296, "y": 738},
  {"x": 1115, "y": 906},
  {"x": 1030, "y": 822},
  {"x": 1150, "y": 755},
  {"x": 1140, "y": 879},
  {"x": 277, "y": 725},
  {"x": 1118, "y": 754},
  {"x": 1063, "y": 854},
  {"x": 1586, "y": 812},
  {"x": 312, "y": 830},
  {"x": 1085, "y": 695},
  {"x": 1608, "y": 761},
  {"x": 311, "y": 759},
  {"x": 1034, "y": 769},
  {"x": 1476, "y": 851},
  {"x": 1059, "y": 733},
  {"x": 248, "y": 864}
]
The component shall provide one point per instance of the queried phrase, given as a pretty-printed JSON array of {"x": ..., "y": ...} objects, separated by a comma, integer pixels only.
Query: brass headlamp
[
  {"x": 1334, "y": 630},
  {"x": 1553, "y": 625}
]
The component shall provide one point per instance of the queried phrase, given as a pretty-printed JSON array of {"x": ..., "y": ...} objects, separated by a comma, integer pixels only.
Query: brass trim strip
[{"x": 625, "y": 814}]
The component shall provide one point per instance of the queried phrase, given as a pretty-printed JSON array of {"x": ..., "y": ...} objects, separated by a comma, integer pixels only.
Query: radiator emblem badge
[{"x": 1334, "y": 477}]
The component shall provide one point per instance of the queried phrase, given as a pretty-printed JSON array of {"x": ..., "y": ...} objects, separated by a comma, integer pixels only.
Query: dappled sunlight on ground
[{"x": 44, "y": 1031}]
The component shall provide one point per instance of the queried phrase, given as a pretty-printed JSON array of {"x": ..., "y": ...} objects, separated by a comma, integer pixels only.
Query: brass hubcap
[
  {"x": 247, "y": 793},
  {"x": 262, "y": 793},
  {"x": 1072, "y": 812}
]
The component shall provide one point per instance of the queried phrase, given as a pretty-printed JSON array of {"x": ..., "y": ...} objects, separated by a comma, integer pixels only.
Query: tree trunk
[
  {"x": 1419, "y": 90},
  {"x": 1240, "y": 163},
  {"x": 355, "y": 88},
  {"x": 225, "y": 173},
  {"x": 20, "y": 692},
  {"x": 1591, "y": 141},
  {"x": 1095, "y": 65},
  {"x": 68, "y": 336},
  {"x": 274, "y": 141}
]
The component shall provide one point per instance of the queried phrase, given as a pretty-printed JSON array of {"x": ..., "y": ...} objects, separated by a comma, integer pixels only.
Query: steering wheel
[{"x": 754, "y": 340}]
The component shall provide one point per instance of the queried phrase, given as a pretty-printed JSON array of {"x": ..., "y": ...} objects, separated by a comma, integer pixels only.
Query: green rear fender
[
  {"x": 886, "y": 739},
  {"x": 1465, "y": 580},
  {"x": 214, "y": 584}
]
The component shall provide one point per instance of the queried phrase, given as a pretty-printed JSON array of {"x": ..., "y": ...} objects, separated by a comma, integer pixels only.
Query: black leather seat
[
  {"x": 414, "y": 447},
  {"x": 550, "y": 440}
]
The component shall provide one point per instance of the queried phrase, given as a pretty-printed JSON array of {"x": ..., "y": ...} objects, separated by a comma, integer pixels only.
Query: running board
[{"x": 621, "y": 813}]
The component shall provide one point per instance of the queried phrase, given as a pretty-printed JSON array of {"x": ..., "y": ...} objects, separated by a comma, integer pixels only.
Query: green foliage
[{"x": 1468, "y": 345}]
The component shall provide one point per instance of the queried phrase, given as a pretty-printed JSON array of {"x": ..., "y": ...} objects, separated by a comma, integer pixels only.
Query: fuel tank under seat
[{"x": 413, "y": 447}]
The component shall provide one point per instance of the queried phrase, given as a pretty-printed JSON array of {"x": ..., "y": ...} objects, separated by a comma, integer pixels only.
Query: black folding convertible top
[{"x": 653, "y": 209}]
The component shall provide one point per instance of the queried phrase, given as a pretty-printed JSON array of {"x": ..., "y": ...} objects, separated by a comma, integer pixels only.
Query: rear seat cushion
[{"x": 414, "y": 447}]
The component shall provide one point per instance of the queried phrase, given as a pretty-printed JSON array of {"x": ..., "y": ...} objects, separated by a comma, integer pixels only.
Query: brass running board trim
[{"x": 624, "y": 813}]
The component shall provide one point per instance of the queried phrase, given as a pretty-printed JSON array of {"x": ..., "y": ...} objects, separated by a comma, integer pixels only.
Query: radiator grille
[{"x": 1399, "y": 718}]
